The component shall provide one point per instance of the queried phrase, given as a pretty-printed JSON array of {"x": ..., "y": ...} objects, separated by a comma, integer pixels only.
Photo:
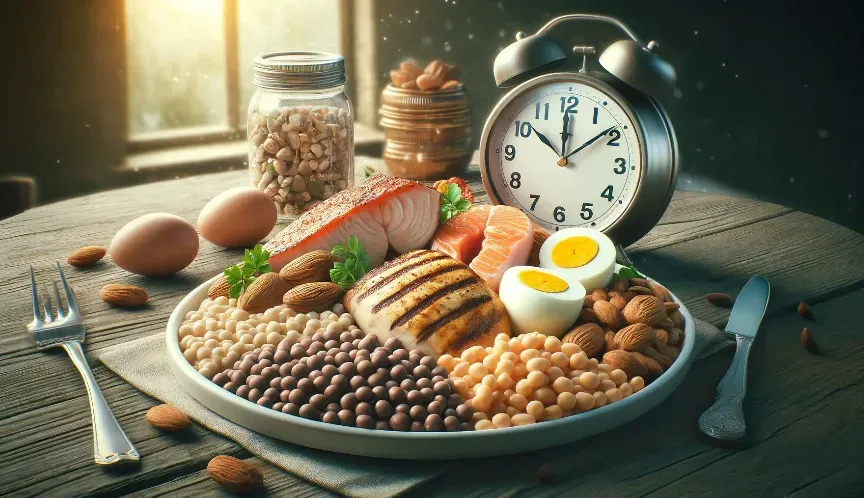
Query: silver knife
[{"x": 725, "y": 418}]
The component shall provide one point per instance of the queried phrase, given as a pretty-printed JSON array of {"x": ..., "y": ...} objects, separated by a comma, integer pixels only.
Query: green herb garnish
[
  {"x": 354, "y": 264},
  {"x": 241, "y": 276},
  {"x": 628, "y": 272},
  {"x": 452, "y": 203}
]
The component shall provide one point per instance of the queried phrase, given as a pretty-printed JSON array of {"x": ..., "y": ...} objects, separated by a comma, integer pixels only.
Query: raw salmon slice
[
  {"x": 385, "y": 212},
  {"x": 462, "y": 236},
  {"x": 507, "y": 242}
]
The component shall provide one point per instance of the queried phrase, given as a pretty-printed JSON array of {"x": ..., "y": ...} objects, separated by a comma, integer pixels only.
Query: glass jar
[
  {"x": 428, "y": 133},
  {"x": 300, "y": 129}
]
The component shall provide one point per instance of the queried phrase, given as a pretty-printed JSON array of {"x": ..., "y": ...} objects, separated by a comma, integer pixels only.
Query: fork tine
[
  {"x": 60, "y": 313},
  {"x": 46, "y": 303},
  {"x": 70, "y": 295},
  {"x": 37, "y": 315}
]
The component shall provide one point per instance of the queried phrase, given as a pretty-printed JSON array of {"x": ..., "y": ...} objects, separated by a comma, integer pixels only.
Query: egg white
[
  {"x": 596, "y": 273},
  {"x": 530, "y": 310}
]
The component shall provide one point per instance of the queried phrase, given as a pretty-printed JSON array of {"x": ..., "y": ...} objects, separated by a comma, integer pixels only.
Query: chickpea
[
  {"x": 618, "y": 376},
  {"x": 302, "y": 318},
  {"x": 599, "y": 399},
  {"x": 446, "y": 361},
  {"x": 602, "y": 376},
  {"x": 505, "y": 366},
  {"x": 502, "y": 337},
  {"x": 478, "y": 371},
  {"x": 190, "y": 356},
  {"x": 274, "y": 338},
  {"x": 537, "y": 379},
  {"x": 520, "y": 371},
  {"x": 221, "y": 300},
  {"x": 186, "y": 341},
  {"x": 469, "y": 356},
  {"x": 527, "y": 354},
  {"x": 482, "y": 399},
  {"x": 607, "y": 384},
  {"x": 575, "y": 374},
  {"x": 490, "y": 381},
  {"x": 212, "y": 324},
  {"x": 261, "y": 328},
  {"x": 184, "y": 330},
  {"x": 479, "y": 352},
  {"x": 589, "y": 380},
  {"x": 515, "y": 346},
  {"x": 593, "y": 363},
  {"x": 522, "y": 419},
  {"x": 532, "y": 341},
  {"x": 334, "y": 327},
  {"x": 260, "y": 339},
  {"x": 614, "y": 395},
  {"x": 509, "y": 356},
  {"x": 461, "y": 387},
  {"x": 546, "y": 396},
  {"x": 219, "y": 351},
  {"x": 500, "y": 348},
  {"x": 560, "y": 360},
  {"x": 501, "y": 420},
  {"x": 504, "y": 381},
  {"x": 499, "y": 395},
  {"x": 604, "y": 367},
  {"x": 584, "y": 401},
  {"x": 198, "y": 328},
  {"x": 497, "y": 407},
  {"x": 478, "y": 416},
  {"x": 461, "y": 369},
  {"x": 246, "y": 339},
  {"x": 224, "y": 335},
  {"x": 524, "y": 388},
  {"x": 562, "y": 384},
  {"x": 202, "y": 353},
  {"x": 637, "y": 383},
  {"x": 552, "y": 412},
  {"x": 483, "y": 425},
  {"x": 518, "y": 401},
  {"x": 554, "y": 373},
  {"x": 566, "y": 400},
  {"x": 211, "y": 343},
  {"x": 537, "y": 364},
  {"x": 292, "y": 335},
  {"x": 511, "y": 411},
  {"x": 626, "y": 389},
  {"x": 569, "y": 349},
  {"x": 552, "y": 344},
  {"x": 490, "y": 362},
  {"x": 579, "y": 361},
  {"x": 535, "y": 409}
]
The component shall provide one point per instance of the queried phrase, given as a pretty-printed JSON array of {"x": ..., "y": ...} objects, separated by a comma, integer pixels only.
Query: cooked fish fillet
[
  {"x": 430, "y": 301},
  {"x": 385, "y": 212}
]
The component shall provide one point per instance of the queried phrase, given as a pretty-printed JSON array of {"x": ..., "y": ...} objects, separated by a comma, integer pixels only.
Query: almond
[
  {"x": 644, "y": 309},
  {"x": 219, "y": 288},
  {"x": 667, "y": 351},
  {"x": 642, "y": 282},
  {"x": 123, "y": 296},
  {"x": 675, "y": 337},
  {"x": 662, "y": 335},
  {"x": 654, "y": 368},
  {"x": 719, "y": 299},
  {"x": 661, "y": 292},
  {"x": 410, "y": 70},
  {"x": 618, "y": 301},
  {"x": 453, "y": 72},
  {"x": 168, "y": 418},
  {"x": 809, "y": 343},
  {"x": 671, "y": 306},
  {"x": 265, "y": 292},
  {"x": 663, "y": 360},
  {"x": 86, "y": 256},
  {"x": 409, "y": 85},
  {"x": 398, "y": 77},
  {"x": 540, "y": 237},
  {"x": 234, "y": 474},
  {"x": 805, "y": 311},
  {"x": 608, "y": 314},
  {"x": 638, "y": 289},
  {"x": 609, "y": 339},
  {"x": 588, "y": 336},
  {"x": 428, "y": 82},
  {"x": 677, "y": 319},
  {"x": 600, "y": 295},
  {"x": 311, "y": 267},
  {"x": 628, "y": 296},
  {"x": 313, "y": 296},
  {"x": 438, "y": 69},
  {"x": 625, "y": 360},
  {"x": 620, "y": 285},
  {"x": 635, "y": 337},
  {"x": 449, "y": 84},
  {"x": 588, "y": 302},
  {"x": 587, "y": 315},
  {"x": 666, "y": 324}
]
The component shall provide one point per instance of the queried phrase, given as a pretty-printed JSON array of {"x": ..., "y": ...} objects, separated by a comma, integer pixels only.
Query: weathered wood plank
[{"x": 804, "y": 415}]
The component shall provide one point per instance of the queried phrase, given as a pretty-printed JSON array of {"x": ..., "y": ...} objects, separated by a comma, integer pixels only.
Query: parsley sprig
[
  {"x": 354, "y": 264},
  {"x": 241, "y": 276},
  {"x": 628, "y": 272},
  {"x": 452, "y": 203}
]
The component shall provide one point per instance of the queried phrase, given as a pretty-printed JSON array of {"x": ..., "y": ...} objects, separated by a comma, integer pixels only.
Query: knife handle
[{"x": 725, "y": 418}]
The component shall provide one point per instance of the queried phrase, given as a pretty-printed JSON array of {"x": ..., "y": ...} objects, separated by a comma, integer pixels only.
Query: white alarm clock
[{"x": 582, "y": 148}]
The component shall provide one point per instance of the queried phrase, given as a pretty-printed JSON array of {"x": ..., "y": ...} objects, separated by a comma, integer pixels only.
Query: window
[{"x": 190, "y": 61}]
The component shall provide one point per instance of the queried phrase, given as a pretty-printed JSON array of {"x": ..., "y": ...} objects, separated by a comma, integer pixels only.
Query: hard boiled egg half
[
  {"x": 540, "y": 300},
  {"x": 581, "y": 254}
]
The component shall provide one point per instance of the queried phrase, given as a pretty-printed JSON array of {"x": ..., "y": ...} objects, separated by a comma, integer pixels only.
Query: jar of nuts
[
  {"x": 427, "y": 128},
  {"x": 300, "y": 129}
]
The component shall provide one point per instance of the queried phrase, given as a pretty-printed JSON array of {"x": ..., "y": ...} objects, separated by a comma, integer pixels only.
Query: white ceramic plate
[{"x": 417, "y": 445}]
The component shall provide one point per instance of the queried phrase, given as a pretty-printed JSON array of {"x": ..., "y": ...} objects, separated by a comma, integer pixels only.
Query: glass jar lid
[{"x": 299, "y": 70}]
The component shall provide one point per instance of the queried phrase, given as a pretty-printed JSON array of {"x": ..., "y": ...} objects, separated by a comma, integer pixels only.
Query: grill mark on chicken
[
  {"x": 479, "y": 326},
  {"x": 431, "y": 298},
  {"x": 466, "y": 307},
  {"x": 456, "y": 266},
  {"x": 398, "y": 273}
]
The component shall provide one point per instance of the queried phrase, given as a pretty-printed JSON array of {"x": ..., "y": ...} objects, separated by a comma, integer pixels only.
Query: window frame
[{"x": 235, "y": 127}]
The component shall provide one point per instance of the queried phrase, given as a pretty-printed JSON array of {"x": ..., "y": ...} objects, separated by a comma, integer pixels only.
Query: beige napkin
[{"x": 143, "y": 363}]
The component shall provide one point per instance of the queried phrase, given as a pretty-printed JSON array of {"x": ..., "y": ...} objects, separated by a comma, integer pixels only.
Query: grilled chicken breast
[{"x": 429, "y": 301}]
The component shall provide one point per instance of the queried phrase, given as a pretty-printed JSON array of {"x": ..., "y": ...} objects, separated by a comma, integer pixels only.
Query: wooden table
[{"x": 806, "y": 414}]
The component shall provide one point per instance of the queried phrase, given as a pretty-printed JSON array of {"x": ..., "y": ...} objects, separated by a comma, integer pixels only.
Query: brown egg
[
  {"x": 155, "y": 245},
  {"x": 239, "y": 217}
]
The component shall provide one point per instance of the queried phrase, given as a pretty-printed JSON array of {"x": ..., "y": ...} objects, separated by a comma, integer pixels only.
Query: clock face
[{"x": 566, "y": 153}]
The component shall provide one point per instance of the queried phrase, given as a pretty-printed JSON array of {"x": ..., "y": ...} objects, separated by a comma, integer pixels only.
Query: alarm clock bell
[{"x": 630, "y": 61}]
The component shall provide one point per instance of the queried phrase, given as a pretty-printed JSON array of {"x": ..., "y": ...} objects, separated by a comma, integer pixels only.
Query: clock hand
[
  {"x": 543, "y": 139},
  {"x": 589, "y": 142},
  {"x": 565, "y": 134}
]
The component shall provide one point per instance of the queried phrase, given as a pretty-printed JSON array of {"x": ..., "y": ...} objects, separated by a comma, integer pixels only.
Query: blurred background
[{"x": 105, "y": 93}]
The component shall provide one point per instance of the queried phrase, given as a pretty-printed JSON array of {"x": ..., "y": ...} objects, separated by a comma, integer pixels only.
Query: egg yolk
[
  {"x": 542, "y": 281},
  {"x": 575, "y": 252}
]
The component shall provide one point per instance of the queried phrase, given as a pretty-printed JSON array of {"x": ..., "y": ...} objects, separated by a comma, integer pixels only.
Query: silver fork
[{"x": 66, "y": 330}]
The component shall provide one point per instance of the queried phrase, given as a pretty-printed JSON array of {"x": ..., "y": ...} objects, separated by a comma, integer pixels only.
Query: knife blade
[{"x": 725, "y": 419}]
